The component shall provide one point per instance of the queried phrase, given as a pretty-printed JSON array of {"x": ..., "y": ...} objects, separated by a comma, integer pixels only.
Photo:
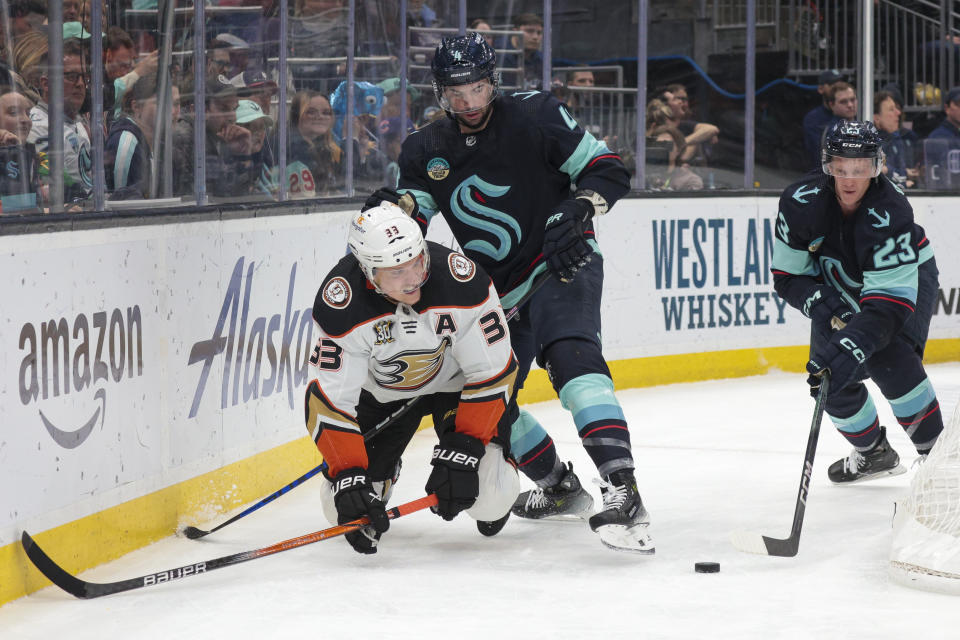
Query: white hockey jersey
[{"x": 454, "y": 339}]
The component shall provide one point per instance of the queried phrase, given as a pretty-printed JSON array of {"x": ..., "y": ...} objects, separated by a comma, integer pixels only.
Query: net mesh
[{"x": 925, "y": 552}]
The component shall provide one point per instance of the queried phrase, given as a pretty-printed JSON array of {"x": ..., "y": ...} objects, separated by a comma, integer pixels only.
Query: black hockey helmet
[
  {"x": 462, "y": 60},
  {"x": 853, "y": 139}
]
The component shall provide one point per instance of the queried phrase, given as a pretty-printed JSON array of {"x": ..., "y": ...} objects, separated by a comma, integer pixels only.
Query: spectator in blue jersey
[
  {"x": 128, "y": 154},
  {"x": 886, "y": 117},
  {"x": 260, "y": 161},
  {"x": 841, "y": 99},
  {"x": 817, "y": 118},
  {"x": 950, "y": 127},
  {"x": 19, "y": 166}
]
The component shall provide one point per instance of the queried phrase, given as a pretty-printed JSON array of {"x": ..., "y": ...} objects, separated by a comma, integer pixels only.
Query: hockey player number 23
[
  {"x": 327, "y": 355},
  {"x": 888, "y": 256}
]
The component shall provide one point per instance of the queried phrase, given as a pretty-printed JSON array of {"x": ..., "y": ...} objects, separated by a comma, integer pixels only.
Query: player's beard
[{"x": 466, "y": 127}]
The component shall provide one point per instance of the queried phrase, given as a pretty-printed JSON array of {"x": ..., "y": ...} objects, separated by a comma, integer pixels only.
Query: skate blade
[
  {"x": 896, "y": 471},
  {"x": 632, "y": 539}
]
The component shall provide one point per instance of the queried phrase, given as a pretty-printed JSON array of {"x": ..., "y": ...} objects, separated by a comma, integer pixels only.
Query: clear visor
[
  {"x": 465, "y": 98},
  {"x": 852, "y": 167},
  {"x": 403, "y": 278}
]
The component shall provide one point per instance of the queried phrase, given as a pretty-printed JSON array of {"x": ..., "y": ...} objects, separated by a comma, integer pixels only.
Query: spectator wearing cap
[
  {"x": 227, "y": 142},
  {"x": 254, "y": 84},
  {"x": 392, "y": 99},
  {"x": 238, "y": 53},
  {"x": 260, "y": 161},
  {"x": 950, "y": 127},
  {"x": 815, "y": 120}
]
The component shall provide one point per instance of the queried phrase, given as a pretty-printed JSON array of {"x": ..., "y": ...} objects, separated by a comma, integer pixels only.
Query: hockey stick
[
  {"x": 194, "y": 533},
  {"x": 86, "y": 590},
  {"x": 754, "y": 542},
  {"x": 534, "y": 287}
]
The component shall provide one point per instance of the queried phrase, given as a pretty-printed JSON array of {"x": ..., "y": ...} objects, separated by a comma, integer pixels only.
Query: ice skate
[
  {"x": 878, "y": 462},
  {"x": 623, "y": 522},
  {"x": 565, "y": 500}
]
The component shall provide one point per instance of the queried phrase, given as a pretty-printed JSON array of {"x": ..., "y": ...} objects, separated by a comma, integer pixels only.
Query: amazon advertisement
[{"x": 139, "y": 358}]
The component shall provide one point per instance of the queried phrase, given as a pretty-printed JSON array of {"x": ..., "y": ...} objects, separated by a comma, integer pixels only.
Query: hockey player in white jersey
[{"x": 402, "y": 319}]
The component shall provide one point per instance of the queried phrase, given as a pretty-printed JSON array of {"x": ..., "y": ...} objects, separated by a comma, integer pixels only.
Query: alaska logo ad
[{"x": 95, "y": 353}]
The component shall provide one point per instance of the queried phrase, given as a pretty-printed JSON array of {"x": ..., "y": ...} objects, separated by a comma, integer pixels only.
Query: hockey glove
[
  {"x": 454, "y": 479},
  {"x": 827, "y": 309},
  {"x": 386, "y": 194},
  {"x": 564, "y": 246},
  {"x": 355, "y": 497},
  {"x": 842, "y": 357}
]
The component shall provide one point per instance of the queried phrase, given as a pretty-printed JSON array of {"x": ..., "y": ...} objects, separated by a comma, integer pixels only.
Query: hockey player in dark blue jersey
[
  {"x": 518, "y": 182},
  {"x": 849, "y": 255}
]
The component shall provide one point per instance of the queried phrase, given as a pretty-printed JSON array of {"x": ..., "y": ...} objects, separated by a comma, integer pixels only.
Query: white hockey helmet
[{"x": 385, "y": 236}]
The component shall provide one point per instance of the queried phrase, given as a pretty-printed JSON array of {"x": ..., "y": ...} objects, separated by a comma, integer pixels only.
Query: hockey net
[{"x": 925, "y": 553}]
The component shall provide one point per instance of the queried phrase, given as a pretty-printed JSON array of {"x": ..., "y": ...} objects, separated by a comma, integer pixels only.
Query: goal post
[{"x": 925, "y": 553}]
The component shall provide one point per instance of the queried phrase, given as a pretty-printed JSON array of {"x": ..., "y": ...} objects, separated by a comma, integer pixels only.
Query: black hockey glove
[
  {"x": 456, "y": 460},
  {"x": 355, "y": 497},
  {"x": 564, "y": 246},
  {"x": 842, "y": 357},
  {"x": 827, "y": 308},
  {"x": 387, "y": 194}
]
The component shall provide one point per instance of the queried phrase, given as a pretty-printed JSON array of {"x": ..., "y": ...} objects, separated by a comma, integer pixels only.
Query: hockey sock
[
  {"x": 534, "y": 451},
  {"x": 600, "y": 421},
  {"x": 862, "y": 426},
  {"x": 918, "y": 412}
]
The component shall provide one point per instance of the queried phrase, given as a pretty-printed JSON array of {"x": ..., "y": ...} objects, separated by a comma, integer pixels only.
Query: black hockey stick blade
[
  {"x": 788, "y": 547},
  {"x": 87, "y": 590}
]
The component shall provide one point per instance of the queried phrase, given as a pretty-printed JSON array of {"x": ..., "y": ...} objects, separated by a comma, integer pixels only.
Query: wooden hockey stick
[
  {"x": 754, "y": 542},
  {"x": 86, "y": 590}
]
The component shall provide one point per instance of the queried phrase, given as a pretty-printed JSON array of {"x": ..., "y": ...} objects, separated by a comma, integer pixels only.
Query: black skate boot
[
  {"x": 623, "y": 522},
  {"x": 492, "y": 527},
  {"x": 564, "y": 500},
  {"x": 878, "y": 462}
]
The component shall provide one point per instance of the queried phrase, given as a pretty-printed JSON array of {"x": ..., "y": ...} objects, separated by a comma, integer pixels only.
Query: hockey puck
[{"x": 707, "y": 567}]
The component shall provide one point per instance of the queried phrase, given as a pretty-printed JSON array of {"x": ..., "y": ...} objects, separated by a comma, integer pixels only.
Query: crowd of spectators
[{"x": 149, "y": 121}]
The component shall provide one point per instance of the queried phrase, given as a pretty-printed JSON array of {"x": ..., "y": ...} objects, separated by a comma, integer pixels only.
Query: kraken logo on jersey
[
  {"x": 383, "y": 332},
  {"x": 410, "y": 370},
  {"x": 464, "y": 205}
]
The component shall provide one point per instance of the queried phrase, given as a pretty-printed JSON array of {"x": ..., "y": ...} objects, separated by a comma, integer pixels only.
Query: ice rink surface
[{"x": 711, "y": 456}]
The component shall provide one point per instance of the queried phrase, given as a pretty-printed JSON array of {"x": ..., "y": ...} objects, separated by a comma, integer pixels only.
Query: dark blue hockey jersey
[
  {"x": 496, "y": 188},
  {"x": 870, "y": 257}
]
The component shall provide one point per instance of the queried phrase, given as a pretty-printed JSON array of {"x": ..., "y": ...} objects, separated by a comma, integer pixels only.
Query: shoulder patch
[
  {"x": 438, "y": 169},
  {"x": 337, "y": 293},
  {"x": 461, "y": 267}
]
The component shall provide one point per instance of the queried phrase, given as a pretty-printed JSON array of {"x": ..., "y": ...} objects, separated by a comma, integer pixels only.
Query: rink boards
[{"x": 153, "y": 374}]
